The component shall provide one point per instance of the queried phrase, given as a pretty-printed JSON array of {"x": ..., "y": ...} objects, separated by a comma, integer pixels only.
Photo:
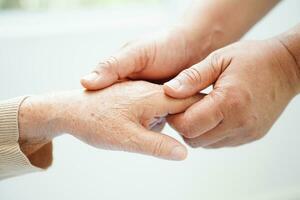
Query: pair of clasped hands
[{"x": 123, "y": 107}]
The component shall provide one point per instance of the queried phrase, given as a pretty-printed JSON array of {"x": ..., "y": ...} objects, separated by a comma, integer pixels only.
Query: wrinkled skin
[
  {"x": 253, "y": 82},
  {"x": 117, "y": 118}
]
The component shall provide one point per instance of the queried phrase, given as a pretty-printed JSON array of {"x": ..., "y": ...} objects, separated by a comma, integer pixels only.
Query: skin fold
[{"x": 116, "y": 118}]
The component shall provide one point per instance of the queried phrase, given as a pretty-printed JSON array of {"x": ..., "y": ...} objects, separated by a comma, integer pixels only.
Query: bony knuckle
[
  {"x": 215, "y": 58},
  {"x": 185, "y": 74},
  {"x": 218, "y": 61},
  {"x": 191, "y": 75},
  {"x": 194, "y": 72},
  {"x": 109, "y": 63}
]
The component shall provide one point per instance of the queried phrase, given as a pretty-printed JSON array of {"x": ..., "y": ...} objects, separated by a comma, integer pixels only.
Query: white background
[{"x": 41, "y": 52}]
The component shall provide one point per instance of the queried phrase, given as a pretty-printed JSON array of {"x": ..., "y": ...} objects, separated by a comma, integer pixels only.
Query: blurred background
[
  {"x": 46, "y": 45},
  {"x": 63, "y": 4}
]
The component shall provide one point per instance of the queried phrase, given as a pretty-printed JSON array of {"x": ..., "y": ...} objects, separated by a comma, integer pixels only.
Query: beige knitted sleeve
[{"x": 12, "y": 160}]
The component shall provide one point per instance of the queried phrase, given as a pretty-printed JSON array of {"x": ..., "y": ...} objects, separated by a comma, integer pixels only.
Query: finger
[
  {"x": 215, "y": 135},
  {"x": 168, "y": 105},
  {"x": 117, "y": 67},
  {"x": 199, "y": 118},
  {"x": 148, "y": 142},
  {"x": 197, "y": 77}
]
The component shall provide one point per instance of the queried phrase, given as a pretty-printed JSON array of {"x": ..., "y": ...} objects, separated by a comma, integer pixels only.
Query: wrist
[
  {"x": 199, "y": 43},
  {"x": 284, "y": 60},
  {"x": 38, "y": 122},
  {"x": 291, "y": 43},
  {"x": 205, "y": 36}
]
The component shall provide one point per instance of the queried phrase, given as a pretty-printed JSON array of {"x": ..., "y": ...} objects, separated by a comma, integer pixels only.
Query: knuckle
[
  {"x": 143, "y": 54},
  {"x": 108, "y": 64},
  {"x": 215, "y": 59},
  {"x": 218, "y": 61},
  {"x": 192, "y": 75}
]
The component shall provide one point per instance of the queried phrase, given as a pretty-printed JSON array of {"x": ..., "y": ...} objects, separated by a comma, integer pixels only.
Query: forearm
[
  {"x": 37, "y": 123},
  {"x": 223, "y": 21}
]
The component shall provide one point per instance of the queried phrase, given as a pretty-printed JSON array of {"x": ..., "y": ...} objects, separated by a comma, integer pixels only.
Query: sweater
[{"x": 13, "y": 161}]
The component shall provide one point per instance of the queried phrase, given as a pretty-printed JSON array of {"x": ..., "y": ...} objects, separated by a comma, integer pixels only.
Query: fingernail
[
  {"x": 178, "y": 153},
  {"x": 91, "y": 77},
  {"x": 174, "y": 83}
]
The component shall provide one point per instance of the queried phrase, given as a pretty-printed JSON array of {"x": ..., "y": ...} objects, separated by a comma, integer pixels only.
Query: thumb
[
  {"x": 170, "y": 105},
  {"x": 196, "y": 78},
  {"x": 117, "y": 67},
  {"x": 155, "y": 144}
]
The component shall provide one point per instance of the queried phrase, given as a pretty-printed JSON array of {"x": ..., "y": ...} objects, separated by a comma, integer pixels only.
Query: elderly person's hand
[
  {"x": 253, "y": 81},
  {"x": 118, "y": 118}
]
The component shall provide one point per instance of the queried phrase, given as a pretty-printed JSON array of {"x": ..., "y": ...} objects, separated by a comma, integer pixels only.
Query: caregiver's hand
[
  {"x": 153, "y": 57},
  {"x": 116, "y": 118},
  {"x": 207, "y": 25},
  {"x": 252, "y": 82}
]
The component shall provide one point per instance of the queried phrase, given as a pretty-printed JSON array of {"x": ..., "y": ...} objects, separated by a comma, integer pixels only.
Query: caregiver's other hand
[
  {"x": 154, "y": 57},
  {"x": 253, "y": 81},
  {"x": 206, "y": 26},
  {"x": 117, "y": 118}
]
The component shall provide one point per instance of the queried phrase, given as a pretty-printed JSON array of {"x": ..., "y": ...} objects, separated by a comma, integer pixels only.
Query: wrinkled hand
[
  {"x": 154, "y": 57},
  {"x": 252, "y": 82},
  {"x": 117, "y": 118}
]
